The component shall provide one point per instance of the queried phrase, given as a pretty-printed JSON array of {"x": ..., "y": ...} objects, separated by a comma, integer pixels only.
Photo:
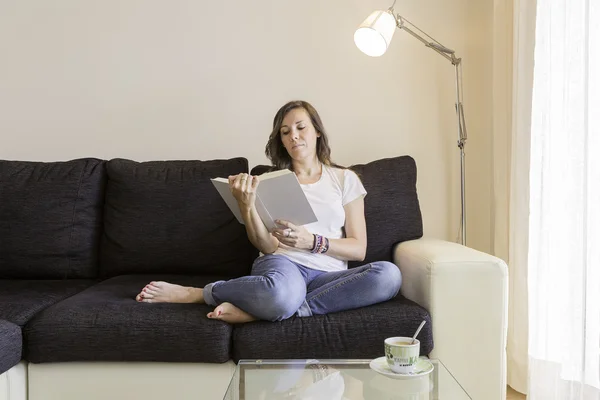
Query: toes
[
  {"x": 150, "y": 291},
  {"x": 218, "y": 310},
  {"x": 145, "y": 300},
  {"x": 145, "y": 295},
  {"x": 216, "y": 314},
  {"x": 140, "y": 295}
]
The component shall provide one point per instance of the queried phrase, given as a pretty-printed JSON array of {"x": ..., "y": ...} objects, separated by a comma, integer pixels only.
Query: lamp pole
[{"x": 460, "y": 116}]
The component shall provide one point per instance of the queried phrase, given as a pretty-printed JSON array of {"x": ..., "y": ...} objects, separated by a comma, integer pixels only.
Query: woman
[{"x": 302, "y": 270}]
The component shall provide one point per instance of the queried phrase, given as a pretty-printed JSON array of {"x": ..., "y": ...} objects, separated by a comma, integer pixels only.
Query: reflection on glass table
[{"x": 336, "y": 380}]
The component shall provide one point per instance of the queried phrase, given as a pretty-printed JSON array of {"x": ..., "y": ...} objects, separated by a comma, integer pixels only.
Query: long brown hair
[{"x": 275, "y": 150}]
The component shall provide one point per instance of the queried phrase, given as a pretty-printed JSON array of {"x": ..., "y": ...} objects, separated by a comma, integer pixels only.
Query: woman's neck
[{"x": 307, "y": 169}]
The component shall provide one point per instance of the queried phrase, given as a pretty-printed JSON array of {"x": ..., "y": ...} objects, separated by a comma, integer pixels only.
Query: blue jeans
[{"x": 279, "y": 288}]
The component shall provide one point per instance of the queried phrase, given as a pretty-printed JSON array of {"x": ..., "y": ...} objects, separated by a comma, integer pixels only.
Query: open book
[{"x": 279, "y": 196}]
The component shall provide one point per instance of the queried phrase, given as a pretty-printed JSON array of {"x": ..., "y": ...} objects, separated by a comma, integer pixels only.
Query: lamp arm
[
  {"x": 433, "y": 44},
  {"x": 449, "y": 55}
]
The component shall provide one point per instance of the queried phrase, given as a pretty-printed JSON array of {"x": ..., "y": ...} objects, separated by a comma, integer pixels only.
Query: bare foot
[
  {"x": 229, "y": 313},
  {"x": 163, "y": 292}
]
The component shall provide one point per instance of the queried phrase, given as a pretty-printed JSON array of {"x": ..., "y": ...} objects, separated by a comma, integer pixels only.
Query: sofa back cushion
[
  {"x": 50, "y": 218},
  {"x": 167, "y": 217},
  {"x": 392, "y": 209}
]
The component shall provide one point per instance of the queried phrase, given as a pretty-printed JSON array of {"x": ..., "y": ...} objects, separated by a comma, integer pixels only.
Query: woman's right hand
[{"x": 243, "y": 187}]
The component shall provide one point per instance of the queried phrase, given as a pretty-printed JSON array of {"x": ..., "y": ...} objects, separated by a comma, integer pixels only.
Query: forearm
[
  {"x": 258, "y": 234},
  {"x": 347, "y": 249}
]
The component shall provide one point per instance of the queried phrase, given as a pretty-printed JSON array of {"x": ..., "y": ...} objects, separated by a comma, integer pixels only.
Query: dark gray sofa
[{"x": 79, "y": 239}]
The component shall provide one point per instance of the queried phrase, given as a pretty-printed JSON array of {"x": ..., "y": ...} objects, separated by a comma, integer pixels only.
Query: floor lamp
[{"x": 373, "y": 37}]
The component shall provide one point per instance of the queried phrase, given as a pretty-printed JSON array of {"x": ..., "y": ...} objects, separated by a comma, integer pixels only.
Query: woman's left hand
[{"x": 294, "y": 236}]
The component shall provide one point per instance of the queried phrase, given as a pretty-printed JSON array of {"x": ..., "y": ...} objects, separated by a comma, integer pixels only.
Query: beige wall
[{"x": 154, "y": 79}]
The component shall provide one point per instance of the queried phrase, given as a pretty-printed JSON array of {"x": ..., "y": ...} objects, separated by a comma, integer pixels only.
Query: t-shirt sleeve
[{"x": 353, "y": 187}]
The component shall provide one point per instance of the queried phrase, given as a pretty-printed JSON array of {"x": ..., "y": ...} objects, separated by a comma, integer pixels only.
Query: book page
[{"x": 283, "y": 198}]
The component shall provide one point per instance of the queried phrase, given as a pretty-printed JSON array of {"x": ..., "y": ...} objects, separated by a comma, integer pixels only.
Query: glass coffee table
[{"x": 336, "y": 380}]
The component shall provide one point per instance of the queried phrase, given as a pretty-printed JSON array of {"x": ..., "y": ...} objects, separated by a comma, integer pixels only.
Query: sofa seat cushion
[
  {"x": 106, "y": 323},
  {"x": 20, "y": 300},
  {"x": 166, "y": 217},
  {"x": 349, "y": 334},
  {"x": 51, "y": 218},
  {"x": 11, "y": 345}
]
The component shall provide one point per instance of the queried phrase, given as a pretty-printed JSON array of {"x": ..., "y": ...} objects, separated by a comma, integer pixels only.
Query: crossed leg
[{"x": 273, "y": 292}]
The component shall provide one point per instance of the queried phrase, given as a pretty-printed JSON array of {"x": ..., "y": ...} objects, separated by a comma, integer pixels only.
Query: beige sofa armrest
[
  {"x": 13, "y": 383},
  {"x": 466, "y": 293}
]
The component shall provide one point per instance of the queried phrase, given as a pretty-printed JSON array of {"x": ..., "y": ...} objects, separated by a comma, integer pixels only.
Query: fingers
[
  {"x": 282, "y": 222},
  {"x": 247, "y": 186},
  {"x": 287, "y": 232},
  {"x": 240, "y": 180},
  {"x": 243, "y": 182},
  {"x": 236, "y": 180},
  {"x": 287, "y": 224},
  {"x": 290, "y": 230},
  {"x": 298, "y": 238},
  {"x": 286, "y": 236}
]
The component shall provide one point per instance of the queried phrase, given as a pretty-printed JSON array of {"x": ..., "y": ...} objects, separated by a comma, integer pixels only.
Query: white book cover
[{"x": 279, "y": 196}]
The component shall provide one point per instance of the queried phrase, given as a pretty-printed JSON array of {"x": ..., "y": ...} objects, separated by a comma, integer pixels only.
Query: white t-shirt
[{"x": 327, "y": 196}]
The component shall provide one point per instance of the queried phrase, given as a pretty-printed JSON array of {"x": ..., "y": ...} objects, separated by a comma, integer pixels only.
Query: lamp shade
[{"x": 374, "y": 35}]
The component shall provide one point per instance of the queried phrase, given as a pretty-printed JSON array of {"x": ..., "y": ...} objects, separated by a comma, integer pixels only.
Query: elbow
[
  {"x": 270, "y": 249},
  {"x": 361, "y": 254},
  {"x": 264, "y": 246}
]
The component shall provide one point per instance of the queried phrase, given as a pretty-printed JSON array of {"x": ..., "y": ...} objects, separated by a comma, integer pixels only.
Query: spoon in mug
[{"x": 417, "y": 332}]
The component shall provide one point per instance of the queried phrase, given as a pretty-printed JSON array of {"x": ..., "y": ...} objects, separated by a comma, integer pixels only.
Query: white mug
[{"x": 401, "y": 355}]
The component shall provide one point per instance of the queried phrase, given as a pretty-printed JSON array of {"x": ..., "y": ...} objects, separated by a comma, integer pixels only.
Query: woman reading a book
[{"x": 302, "y": 270}]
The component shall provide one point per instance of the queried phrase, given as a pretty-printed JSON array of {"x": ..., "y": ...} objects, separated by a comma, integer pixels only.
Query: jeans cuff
[
  {"x": 304, "y": 310},
  {"x": 208, "y": 295}
]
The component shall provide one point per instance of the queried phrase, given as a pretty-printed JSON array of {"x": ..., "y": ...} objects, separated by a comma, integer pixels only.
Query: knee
[
  {"x": 281, "y": 300},
  {"x": 389, "y": 278}
]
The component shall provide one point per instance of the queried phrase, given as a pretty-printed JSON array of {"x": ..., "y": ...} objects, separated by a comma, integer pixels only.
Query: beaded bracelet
[{"x": 320, "y": 244}]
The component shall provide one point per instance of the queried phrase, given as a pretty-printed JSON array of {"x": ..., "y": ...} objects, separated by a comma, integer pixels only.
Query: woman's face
[{"x": 298, "y": 134}]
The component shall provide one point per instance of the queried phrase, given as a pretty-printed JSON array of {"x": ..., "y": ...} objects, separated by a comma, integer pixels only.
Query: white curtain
[
  {"x": 564, "y": 221},
  {"x": 514, "y": 39}
]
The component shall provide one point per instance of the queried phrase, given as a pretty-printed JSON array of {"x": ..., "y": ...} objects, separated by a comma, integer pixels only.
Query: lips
[{"x": 297, "y": 145}]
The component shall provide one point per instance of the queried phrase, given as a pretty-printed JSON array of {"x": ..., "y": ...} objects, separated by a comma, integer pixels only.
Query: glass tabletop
[{"x": 336, "y": 380}]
